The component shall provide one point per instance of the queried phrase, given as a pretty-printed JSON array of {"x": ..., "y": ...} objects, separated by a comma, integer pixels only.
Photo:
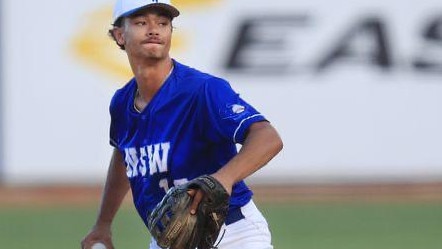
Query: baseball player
[{"x": 172, "y": 123}]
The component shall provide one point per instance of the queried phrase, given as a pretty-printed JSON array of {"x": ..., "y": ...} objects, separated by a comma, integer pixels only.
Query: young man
[{"x": 172, "y": 123}]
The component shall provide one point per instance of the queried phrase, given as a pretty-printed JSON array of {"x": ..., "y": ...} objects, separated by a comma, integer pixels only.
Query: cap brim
[{"x": 169, "y": 9}]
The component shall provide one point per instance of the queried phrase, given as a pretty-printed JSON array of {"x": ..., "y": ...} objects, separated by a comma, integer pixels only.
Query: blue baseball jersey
[{"x": 189, "y": 128}]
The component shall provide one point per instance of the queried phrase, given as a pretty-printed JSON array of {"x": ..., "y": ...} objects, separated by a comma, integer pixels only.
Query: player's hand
[
  {"x": 98, "y": 234},
  {"x": 197, "y": 195}
]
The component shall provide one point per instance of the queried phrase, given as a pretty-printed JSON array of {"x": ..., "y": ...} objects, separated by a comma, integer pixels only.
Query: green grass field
[{"x": 294, "y": 226}]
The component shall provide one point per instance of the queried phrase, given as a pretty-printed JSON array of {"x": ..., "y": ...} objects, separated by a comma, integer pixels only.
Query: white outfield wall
[{"x": 354, "y": 87}]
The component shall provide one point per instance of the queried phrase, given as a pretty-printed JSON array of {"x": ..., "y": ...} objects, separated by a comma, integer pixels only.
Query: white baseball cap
[{"x": 124, "y": 8}]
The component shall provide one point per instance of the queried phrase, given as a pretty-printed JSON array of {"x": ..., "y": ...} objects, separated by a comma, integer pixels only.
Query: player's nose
[{"x": 152, "y": 30}]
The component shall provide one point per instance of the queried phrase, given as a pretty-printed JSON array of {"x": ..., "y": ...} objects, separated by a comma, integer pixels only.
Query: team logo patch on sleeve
[
  {"x": 232, "y": 111},
  {"x": 238, "y": 108}
]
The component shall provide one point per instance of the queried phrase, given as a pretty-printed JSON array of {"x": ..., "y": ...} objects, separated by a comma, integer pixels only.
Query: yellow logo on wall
[
  {"x": 193, "y": 4},
  {"x": 95, "y": 48}
]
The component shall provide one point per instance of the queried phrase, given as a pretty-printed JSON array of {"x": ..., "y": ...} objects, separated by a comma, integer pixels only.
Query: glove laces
[{"x": 219, "y": 241}]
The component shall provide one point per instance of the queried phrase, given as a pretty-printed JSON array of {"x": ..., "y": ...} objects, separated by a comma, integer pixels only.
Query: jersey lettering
[
  {"x": 143, "y": 156},
  {"x": 131, "y": 161},
  {"x": 157, "y": 163},
  {"x": 156, "y": 156},
  {"x": 164, "y": 184}
]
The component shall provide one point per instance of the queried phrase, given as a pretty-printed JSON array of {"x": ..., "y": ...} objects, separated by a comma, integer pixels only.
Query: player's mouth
[{"x": 151, "y": 41}]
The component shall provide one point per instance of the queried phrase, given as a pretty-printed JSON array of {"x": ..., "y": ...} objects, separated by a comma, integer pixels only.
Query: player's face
[{"x": 147, "y": 35}]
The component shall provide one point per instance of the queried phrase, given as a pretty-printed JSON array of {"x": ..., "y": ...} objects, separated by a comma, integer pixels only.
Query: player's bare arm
[
  {"x": 115, "y": 190},
  {"x": 260, "y": 146}
]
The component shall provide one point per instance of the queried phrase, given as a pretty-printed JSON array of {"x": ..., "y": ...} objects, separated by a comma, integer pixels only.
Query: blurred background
[{"x": 353, "y": 87}]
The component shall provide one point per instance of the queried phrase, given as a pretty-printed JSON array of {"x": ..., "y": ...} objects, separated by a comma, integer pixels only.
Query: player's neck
[{"x": 151, "y": 75}]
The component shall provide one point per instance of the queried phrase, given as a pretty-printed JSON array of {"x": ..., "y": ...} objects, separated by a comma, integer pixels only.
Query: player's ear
[{"x": 118, "y": 35}]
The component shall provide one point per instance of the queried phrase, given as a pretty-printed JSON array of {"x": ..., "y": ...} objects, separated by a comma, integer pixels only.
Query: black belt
[{"x": 234, "y": 216}]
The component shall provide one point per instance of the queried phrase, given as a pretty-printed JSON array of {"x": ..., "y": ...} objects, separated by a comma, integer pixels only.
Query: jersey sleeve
[
  {"x": 113, "y": 131},
  {"x": 114, "y": 110},
  {"x": 228, "y": 116},
  {"x": 117, "y": 110}
]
